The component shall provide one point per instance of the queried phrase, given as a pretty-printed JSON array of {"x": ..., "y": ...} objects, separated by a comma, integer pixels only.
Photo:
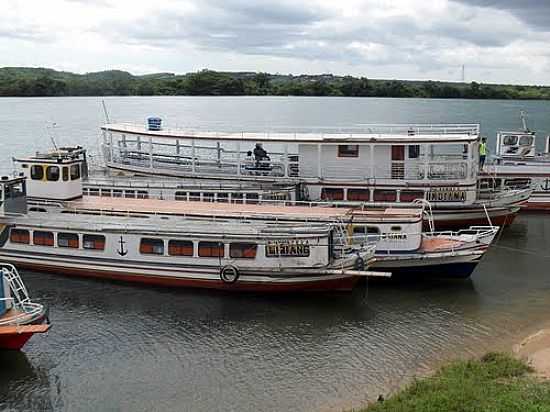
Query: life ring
[
  {"x": 359, "y": 263},
  {"x": 229, "y": 274}
]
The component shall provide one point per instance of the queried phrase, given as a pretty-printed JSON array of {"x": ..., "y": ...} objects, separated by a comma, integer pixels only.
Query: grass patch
[{"x": 496, "y": 382}]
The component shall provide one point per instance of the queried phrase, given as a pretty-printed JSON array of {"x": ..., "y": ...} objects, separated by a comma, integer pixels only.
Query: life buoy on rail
[
  {"x": 229, "y": 274},
  {"x": 359, "y": 263}
]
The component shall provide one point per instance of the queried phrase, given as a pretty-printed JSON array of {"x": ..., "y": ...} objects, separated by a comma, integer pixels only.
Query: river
[{"x": 122, "y": 347}]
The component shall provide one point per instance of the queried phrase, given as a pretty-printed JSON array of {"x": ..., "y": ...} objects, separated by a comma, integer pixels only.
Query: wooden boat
[
  {"x": 20, "y": 318},
  {"x": 518, "y": 165},
  {"x": 230, "y": 255},
  {"x": 391, "y": 164},
  {"x": 396, "y": 232}
]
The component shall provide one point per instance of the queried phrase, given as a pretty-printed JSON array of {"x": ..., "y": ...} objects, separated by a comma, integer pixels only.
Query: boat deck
[{"x": 190, "y": 208}]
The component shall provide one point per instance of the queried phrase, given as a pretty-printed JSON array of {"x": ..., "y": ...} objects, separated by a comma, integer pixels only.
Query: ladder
[{"x": 17, "y": 287}]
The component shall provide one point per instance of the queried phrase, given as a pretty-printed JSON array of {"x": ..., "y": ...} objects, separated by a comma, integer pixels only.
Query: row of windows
[
  {"x": 54, "y": 173},
  {"x": 398, "y": 151},
  {"x": 68, "y": 240},
  {"x": 147, "y": 246},
  {"x": 364, "y": 195},
  {"x": 205, "y": 249},
  {"x": 130, "y": 194}
]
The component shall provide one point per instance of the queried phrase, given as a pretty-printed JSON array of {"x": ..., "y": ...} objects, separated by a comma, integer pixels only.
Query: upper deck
[
  {"x": 383, "y": 133},
  {"x": 243, "y": 211}
]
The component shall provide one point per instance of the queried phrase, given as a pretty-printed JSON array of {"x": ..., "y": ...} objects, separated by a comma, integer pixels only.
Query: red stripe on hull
[
  {"x": 14, "y": 341},
  {"x": 345, "y": 284}
]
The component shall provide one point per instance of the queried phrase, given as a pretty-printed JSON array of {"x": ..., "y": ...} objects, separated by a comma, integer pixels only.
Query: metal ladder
[{"x": 18, "y": 289}]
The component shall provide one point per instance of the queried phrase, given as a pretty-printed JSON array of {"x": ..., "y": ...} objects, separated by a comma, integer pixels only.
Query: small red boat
[{"x": 20, "y": 318}]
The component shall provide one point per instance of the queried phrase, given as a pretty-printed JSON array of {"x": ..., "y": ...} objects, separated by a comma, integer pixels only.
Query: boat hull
[
  {"x": 458, "y": 219},
  {"x": 15, "y": 337},
  {"x": 459, "y": 267},
  {"x": 307, "y": 282}
]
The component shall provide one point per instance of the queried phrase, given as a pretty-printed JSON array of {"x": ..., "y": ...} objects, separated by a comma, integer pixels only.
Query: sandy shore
[{"x": 535, "y": 349}]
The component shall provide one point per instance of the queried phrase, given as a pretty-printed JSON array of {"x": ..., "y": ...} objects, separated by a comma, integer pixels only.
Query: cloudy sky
[{"x": 497, "y": 41}]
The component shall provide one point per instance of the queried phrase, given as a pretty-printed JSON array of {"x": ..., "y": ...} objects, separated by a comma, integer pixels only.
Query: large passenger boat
[
  {"x": 132, "y": 246},
  {"x": 397, "y": 232},
  {"x": 20, "y": 318},
  {"x": 390, "y": 164},
  {"x": 517, "y": 164}
]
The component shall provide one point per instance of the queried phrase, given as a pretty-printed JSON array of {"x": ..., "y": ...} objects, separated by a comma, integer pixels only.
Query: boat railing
[{"x": 295, "y": 131}]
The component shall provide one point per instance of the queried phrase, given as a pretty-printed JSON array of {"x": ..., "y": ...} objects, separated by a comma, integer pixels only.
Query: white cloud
[{"x": 374, "y": 38}]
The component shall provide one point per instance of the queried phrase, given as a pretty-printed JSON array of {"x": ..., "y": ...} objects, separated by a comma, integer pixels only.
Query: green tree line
[{"x": 46, "y": 82}]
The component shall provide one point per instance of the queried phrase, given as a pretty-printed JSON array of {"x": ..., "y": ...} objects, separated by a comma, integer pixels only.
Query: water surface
[{"x": 122, "y": 347}]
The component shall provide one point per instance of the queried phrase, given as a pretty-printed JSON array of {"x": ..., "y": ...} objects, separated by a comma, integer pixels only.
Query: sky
[{"x": 505, "y": 41}]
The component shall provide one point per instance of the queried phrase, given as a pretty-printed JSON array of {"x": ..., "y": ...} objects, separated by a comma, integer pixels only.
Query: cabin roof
[
  {"x": 366, "y": 134},
  {"x": 231, "y": 210}
]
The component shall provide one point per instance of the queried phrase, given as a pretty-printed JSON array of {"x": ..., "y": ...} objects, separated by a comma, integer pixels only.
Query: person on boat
[
  {"x": 249, "y": 161},
  {"x": 482, "y": 152},
  {"x": 260, "y": 155}
]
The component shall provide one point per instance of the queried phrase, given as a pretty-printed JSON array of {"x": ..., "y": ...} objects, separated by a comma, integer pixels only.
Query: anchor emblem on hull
[{"x": 122, "y": 251}]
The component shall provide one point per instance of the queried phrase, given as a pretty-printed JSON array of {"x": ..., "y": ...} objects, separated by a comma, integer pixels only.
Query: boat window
[
  {"x": 510, "y": 140},
  {"x": 94, "y": 242},
  {"x": 181, "y": 195},
  {"x": 94, "y": 192},
  {"x": 130, "y": 194},
  {"x": 236, "y": 197},
  {"x": 37, "y": 172},
  {"x": 42, "y": 238},
  {"x": 75, "y": 172},
  {"x": 151, "y": 246},
  {"x": 67, "y": 240},
  {"x": 20, "y": 236},
  {"x": 195, "y": 196},
  {"x": 211, "y": 249},
  {"x": 526, "y": 140},
  {"x": 252, "y": 198},
  {"x": 117, "y": 193},
  {"x": 385, "y": 195},
  {"x": 331, "y": 193},
  {"x": 39, "y": 209},
  {"x": 411, "y": 195},
  {"x": 208, "y": 197},
  {"x": 52, "y": 173},
  {"x": 142, "y": 194},
  {"x": 396, "y": 228},
  {"x": 180, "y": 248},
  {"x": 243, "y": 250},
  {"x": 223, "y": 197},
  {"x": 106, "y": 192},
  {"x": 362, "y": 195},
  {"x": 65, "y": 173},
  {"x": 348, "y": 150},
  {"x": 414, "y": 151}
]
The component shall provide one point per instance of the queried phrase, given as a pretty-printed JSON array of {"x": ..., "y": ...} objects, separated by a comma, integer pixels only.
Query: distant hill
[{"x": 26, "y": 81}]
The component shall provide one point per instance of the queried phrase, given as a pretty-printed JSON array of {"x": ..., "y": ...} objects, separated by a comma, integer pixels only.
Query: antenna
[
  {"x": 523, "y": 122},
  {"x": 105, "y": 112},
  {"x": 463, "y": 75},
  {"x": 52, "y": 135}
]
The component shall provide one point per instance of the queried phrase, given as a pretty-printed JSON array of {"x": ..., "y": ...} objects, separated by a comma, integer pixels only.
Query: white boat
[
  {"x": 518, "y": 165},
  {"x": 391, "y": 164},
  {"x": 397, "y": 232},
  {"x": 230, "y": 255}
]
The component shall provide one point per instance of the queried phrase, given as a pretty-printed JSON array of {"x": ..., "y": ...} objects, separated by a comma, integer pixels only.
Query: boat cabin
[
  {"x": 55, "y": 175},
  {"x": 516, "y": 145},
  {"x": 373, "y": 163}
]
